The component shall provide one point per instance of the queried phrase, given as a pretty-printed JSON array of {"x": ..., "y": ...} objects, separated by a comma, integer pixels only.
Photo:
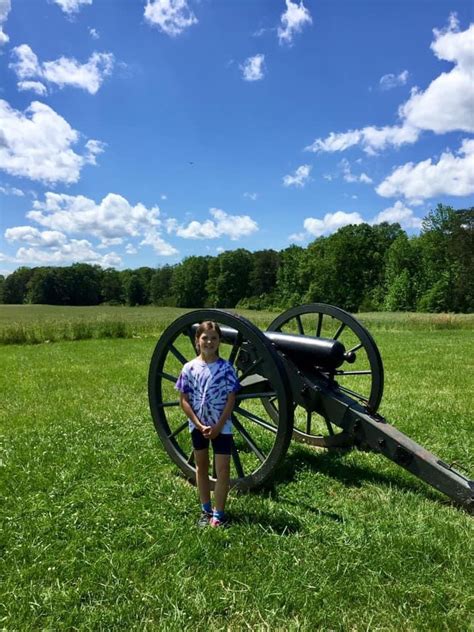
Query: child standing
[{"x": 208, "y": 385}]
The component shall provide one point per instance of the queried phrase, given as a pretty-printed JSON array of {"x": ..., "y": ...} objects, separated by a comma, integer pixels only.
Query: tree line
[{"x": 359, "y": 268}]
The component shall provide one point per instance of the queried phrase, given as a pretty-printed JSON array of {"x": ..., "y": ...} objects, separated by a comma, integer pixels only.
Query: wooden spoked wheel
[
  {"x": 259, "y": 441},
  {"x": 360, "y": 376}
]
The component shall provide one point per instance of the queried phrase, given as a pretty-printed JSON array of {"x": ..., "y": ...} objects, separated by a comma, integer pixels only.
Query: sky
[{"x": 139, "y": 132}]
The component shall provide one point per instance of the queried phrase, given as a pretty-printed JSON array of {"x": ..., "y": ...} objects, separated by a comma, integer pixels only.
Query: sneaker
[
  {"x": 204, "y": 519},
  {"x": 216, "y": 522}
]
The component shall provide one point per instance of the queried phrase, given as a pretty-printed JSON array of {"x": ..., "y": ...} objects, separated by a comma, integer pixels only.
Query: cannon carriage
[{"x": 314, "y": 376}]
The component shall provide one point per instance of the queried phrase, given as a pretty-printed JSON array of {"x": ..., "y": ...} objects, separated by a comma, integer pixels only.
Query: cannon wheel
[
  {"x": 362, "y": 379},
  {"x": 260, "y": 442}
]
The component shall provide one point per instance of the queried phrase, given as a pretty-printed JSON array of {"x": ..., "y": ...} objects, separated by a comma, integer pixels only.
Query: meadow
[{"x": 99, "y": 526}]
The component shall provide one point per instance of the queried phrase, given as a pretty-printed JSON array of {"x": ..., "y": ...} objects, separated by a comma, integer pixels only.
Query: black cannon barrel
[{"x": 303, "y": 350}]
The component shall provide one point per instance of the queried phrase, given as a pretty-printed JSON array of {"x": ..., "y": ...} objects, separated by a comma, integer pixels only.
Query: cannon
[{"x": 315, "y": 376}]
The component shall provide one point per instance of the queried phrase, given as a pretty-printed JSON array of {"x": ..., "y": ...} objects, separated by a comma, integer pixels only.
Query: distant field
[
  {"x": 38, "y": 323},
  {"x": 99, "y": 526}
]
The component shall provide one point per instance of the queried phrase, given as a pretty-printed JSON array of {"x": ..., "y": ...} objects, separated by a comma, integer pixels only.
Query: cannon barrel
[{"x": 305, "y": 351}]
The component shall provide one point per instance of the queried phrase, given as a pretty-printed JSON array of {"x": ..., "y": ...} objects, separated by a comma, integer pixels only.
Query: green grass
[
  {"x": 98, "y": 526},
  {"x": 33, "y": 324}
]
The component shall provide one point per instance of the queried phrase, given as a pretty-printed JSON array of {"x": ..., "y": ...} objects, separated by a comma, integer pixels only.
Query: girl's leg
[
  {"x": 201, "y": 459},
  {"x": 221, "y": 488}
]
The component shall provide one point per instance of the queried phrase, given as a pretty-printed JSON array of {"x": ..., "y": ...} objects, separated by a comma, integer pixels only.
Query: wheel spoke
[
  {"x": 363, "y": 398},
  {"x": 250, "y": 370},
  {"x": 167, "y": 404},
  {"x": 190, "y": 334},
  {"x": 329, "y": 426},
  {"x": 308, "y": 422},
  {"x": 319, "y": 325},
  {"x": 237, "y": 462},
  {"x": 340, "y": 372},
  {"x": 177, "y": 354},
  {"x": 178, "y": 430},
  {"x": 299, "y": 324},
  {"x": 356, "y": 348},
  {"x": 235, "y": 348},
  {"x": 168, "y": 376},
  {"x": 190, "y": 460},
  {"x": 248, "y": 440},
  {"x": 339, "y": 331},
  {"x": 258, "y": 420}
]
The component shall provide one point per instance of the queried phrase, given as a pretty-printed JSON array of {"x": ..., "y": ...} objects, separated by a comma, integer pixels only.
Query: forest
[{"x": 360, "y": 268}]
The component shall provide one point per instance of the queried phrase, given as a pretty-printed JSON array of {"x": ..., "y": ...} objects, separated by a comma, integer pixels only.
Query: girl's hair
[{"x": 207, "y": 325}]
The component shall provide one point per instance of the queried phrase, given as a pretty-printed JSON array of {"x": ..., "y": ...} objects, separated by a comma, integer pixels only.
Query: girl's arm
[
  {"x": 211, "y": 432},
  {"x": 189, "y": 412}
]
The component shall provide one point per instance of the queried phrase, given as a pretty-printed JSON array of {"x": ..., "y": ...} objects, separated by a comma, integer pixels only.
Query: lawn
[{"x": 98, "y": 525}]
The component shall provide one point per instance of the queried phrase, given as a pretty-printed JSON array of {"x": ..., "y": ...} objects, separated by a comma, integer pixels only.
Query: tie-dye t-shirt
[{"x": 207, "y": 387}]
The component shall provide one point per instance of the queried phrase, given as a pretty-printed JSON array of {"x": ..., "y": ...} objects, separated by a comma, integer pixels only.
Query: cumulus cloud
[
  {"x": 222, "y": 225},
  {"x": 451, "y": 175},
  {"x": 299, "y": 178},
  {"x": 292, "y": 21},
  {"x": 61, "y": 72},
  {"x": 71, "y": 6},
  {"x": 387, "y": 82},
  {"x": 94, "y": 33},
  {"x": 54, "y": 247},
  {"x": 34, "y": 86},
  {"x": 5, "y": 6},
  {"x": 253, "y": 68},
  {"x": 350, "y": 177},
  {"x": 37, "y": 144},
  {"x": 114, "y": 217},
  {"x": 446, "y": 105},
  {"x": 171, "y": 16},
  {"x": 159, "y": 245},
  {"x": 400, "y": 213},
  {"x": 330, "y": 222}
]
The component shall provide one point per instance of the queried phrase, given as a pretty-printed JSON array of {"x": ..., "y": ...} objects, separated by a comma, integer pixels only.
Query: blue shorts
[{"x": 222, "y": 444}]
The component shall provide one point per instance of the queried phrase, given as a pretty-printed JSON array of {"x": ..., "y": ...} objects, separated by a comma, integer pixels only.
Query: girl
[{"x": 207, "y": 386}]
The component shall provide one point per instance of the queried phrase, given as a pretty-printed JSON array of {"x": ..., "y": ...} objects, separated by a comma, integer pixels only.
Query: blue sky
[{"x": 138, "y": 132}]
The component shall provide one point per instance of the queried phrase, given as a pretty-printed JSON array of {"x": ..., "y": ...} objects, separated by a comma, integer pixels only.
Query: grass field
[{"x": 98, "y": 526}]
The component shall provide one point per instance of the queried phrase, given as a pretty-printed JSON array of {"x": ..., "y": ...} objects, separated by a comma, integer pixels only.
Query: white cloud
[
  {"x": 63, "y": 71},
  {"x": 253, "y": 68},
  {"x": 171, "y": 16},
  {"x": 451, "y": 175},
  {"x": 300, "y": 177},
  {"x": 330, "y": 222},
  {"x": 159, "y": 245},
  {"x": 94, "y": 33},
  {"x": 5, "y": 6},
  {"x": 251, "y": 196},
  {"x": 130, "y": 249},
  {"x": 71, "y": 6},
  {"x": 298, "y": 237},
  {"x": 446, "y": 105},
  {"x": 292, "y": 21},
  {"x": 232, "y": 226},
  {"x": 37, "y": 145},
  {"x": 350, "y": 177},
  {"x": 114, "y": 217},
  {"x": 54, "y": 247},
  {"x": 398, "y": 213},
  {"x": 12, "y": 191},
  {"x": 35, "y": 86},
  {"x": 387, "y": 82}
]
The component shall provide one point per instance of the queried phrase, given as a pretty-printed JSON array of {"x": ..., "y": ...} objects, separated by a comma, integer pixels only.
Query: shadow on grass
[{"x": 331, "y": 463}]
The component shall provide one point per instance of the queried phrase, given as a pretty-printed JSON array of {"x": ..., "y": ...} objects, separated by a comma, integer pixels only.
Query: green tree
[
  {"x": 228, "y": 278},
  {"x": 160, "y": 286},
  {"x": 291, "y": 283},
  {"x": 135, "y": 291},
  {"x": 15, "y": 287},
  {"x": 46, "y": 286},
  {"x": 111, "y": 290},
  {"x": 402, "y": 274},
  {"x": 188, "y": 284}
]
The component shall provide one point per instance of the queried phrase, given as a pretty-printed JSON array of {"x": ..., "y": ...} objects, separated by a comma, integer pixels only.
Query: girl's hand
[
  {"x": 206, "y": 431},
  {"x": 214, "y": 431}
]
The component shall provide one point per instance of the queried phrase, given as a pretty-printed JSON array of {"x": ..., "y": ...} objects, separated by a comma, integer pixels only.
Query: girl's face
[{"x": 208, "y": 344}]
